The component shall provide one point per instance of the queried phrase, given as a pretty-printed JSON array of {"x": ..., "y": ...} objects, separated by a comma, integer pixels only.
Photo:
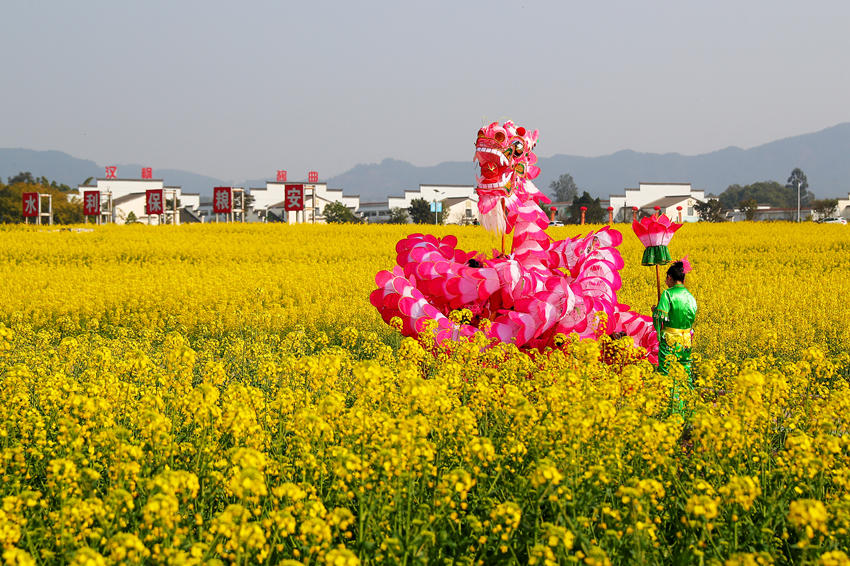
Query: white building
[
  {"x": 674, "y": 207},
  {"x": 460, "y": 210},
  {"x": 668, "y": 196},
  {"x": 128, "y": 195},
  {"x": 375, "y": 212},
  {"x": 843, "y": 207},
  {"x": 268, "y": 202}
]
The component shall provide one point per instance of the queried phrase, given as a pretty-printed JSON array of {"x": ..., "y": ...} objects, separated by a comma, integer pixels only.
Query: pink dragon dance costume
[{"x": 542, "y": 288}]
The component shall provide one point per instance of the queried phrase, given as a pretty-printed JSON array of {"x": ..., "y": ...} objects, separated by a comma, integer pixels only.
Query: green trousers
[{"x": 668, "y": 354}]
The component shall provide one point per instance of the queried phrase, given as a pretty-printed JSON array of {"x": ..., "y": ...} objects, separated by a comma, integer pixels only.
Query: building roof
[{"x": 665, "y": 202}]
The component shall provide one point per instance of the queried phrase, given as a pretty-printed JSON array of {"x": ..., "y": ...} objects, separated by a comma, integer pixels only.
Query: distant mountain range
[{"x": 824, "y": 156}]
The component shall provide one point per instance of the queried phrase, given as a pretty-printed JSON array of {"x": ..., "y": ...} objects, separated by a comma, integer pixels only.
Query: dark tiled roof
[{"x": 664, "y": 202}]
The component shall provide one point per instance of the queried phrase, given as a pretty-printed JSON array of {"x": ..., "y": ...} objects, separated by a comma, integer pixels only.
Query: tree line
[
  {"x": 65, "y": 211},
  {"x": 745, "y": 198}
]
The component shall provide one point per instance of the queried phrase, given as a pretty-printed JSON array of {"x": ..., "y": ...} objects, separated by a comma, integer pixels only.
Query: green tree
[
  {"x": 420, "y": 211},
  {"x": 798, "y": 177},
  {"x": 23, "y": 177},
  {"x": 710, "y": 211},
  {"x": 399, "y": 216},
  {"x": 594, "y": 213},
  {"x": 749, "y": 208},
  {"x": 767, "y": 192},
  {"x": 11, "y": 196},
  {"x": 338, "y": 213},
  {"x": 131, "y": 218},
  {"x": 824, "y": 207},
  {"x": 564, "y": 189}
]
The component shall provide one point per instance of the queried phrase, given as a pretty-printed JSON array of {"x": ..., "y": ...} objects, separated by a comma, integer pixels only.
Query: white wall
[
  {"x": 192, "y": 202},
  {"x": 275, "y": 193},
  {"x": 687, "y": 205},
  {"x": 121, "y": 187},
  {"x": 456, "y": 214},
  {"x": 440, "y": 192},
  {"x": 136, "y": 205},
  {"x": 843, "y": 207}
]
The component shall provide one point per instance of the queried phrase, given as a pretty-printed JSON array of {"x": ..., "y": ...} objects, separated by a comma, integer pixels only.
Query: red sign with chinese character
[
  {"x": 281, "y": 176},
  {"x": 222, "y": 202},
  {"x": 154, "y": 203},
  {"x": 147, "y": 173},
  {"x": 91, "y": 203},
  {"x": 313, "y": 177},
  {"x": 111, "y": 172},
  {"x": 30, "y": 204},
  {"x": 294, "y": 198}
]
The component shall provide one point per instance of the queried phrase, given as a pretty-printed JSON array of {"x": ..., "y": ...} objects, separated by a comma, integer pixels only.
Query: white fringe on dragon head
[{"x": 506, "y": 166}]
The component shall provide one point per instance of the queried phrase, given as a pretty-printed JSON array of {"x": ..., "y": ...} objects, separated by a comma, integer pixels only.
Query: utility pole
[
  {"x": 435, "y": 205},
  {"x": 798, "y": 198}
]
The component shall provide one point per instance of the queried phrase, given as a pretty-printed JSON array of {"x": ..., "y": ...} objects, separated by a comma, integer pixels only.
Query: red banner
[
  {"x": 281, "y": 176},
  {"x": 111, "y": 172},
  {"x": 313, "y": 177},
  {"x": 154, "y": 203},
  {"x": 30, "y": 203},
  {"x": 294, "y": 198},
  {"x": 222, "y": 201},
  {"x": 147, "y": 173},
  {"x": 91, "y": 203}
]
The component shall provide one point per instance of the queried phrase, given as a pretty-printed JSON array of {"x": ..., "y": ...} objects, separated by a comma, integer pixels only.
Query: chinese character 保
[
  {"x": 30, "y": 205},
  {"x": 154, "y": 202}
]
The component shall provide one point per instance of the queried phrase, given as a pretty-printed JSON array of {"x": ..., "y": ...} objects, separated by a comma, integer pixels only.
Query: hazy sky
[{"x": 238, "y": 90}]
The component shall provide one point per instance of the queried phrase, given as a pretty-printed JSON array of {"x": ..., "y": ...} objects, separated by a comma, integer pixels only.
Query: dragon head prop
[{"x": 505, "y": 157}]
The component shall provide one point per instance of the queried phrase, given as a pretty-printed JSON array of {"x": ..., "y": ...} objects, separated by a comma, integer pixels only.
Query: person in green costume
[{"x": 673, "y": 319}]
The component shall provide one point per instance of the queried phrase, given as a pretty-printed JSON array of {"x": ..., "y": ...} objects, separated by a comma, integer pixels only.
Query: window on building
[
  {"x": 690, "y": 211},
  {"x": 469, "y": 213}
]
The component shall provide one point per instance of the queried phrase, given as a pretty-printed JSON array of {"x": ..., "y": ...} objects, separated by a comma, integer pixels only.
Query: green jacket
[{"x": 677, "y": 308}]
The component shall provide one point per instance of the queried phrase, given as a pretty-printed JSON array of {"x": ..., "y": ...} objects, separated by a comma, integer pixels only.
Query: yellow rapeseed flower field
[{"x": 227, "y": 394}]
